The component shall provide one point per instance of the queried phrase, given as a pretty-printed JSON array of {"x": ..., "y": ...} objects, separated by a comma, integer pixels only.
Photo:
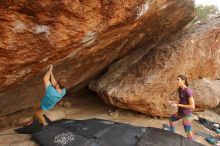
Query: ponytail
[{"x": 183, "y": 77}]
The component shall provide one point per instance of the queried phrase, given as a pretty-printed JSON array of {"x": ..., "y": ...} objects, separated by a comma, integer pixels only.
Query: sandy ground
[{"x": 87, "y": 105}]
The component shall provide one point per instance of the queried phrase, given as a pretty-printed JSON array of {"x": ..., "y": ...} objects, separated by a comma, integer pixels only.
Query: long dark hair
[
  {"x": 183, "y": 77},
  {"x": 61, "y": 82}
]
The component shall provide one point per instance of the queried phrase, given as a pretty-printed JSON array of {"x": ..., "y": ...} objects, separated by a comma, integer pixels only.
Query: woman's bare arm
[
  {"x": 53, "y": 80},
  {"x": 46, "y": 78}
]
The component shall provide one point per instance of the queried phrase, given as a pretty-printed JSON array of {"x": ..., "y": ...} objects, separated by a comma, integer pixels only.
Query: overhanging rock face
[
  {"x": 81, "y": 37},
  {"x": 145, "y": 81}
]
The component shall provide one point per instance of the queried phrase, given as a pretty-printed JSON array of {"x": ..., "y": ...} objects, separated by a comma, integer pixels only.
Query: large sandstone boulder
[
  {"x": 80, "y": 37},
  {"x": 207, "y": 92},
  {"x": 146, "y": 81}
]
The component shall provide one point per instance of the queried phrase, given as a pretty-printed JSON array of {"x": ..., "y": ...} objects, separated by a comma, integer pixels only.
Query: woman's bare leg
[
  {"x": 40, "y": 117},
  {"x": 39, "y": 113}
]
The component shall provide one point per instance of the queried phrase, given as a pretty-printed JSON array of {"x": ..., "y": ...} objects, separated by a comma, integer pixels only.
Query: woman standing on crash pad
[
  {"x": 54, "y": 92},
  {"x": 185, "y": 107}
]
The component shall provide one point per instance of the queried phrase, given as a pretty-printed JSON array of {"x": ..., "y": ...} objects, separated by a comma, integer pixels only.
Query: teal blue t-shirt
[{"x": 51, "y": 97}]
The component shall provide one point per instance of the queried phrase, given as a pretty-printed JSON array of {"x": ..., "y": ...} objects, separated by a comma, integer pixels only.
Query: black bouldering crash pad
[
  {"x": 97, "y": 132},
  {"x": 158, "y": 137}
]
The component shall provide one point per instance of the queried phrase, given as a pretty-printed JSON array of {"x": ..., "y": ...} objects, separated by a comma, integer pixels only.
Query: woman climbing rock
[{"x": 55, "y": 90}]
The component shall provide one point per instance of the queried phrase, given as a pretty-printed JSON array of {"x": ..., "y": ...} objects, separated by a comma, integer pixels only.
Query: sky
[{"x": 214, "y": 2}]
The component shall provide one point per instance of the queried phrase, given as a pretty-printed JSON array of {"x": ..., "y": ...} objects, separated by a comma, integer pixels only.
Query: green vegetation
[{"x": 205, "y": 11}]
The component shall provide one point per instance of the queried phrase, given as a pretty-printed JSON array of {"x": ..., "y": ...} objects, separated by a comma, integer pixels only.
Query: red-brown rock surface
[
  {"x": 146, "y": 81},
  {"x": 81, "y": 37}
]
